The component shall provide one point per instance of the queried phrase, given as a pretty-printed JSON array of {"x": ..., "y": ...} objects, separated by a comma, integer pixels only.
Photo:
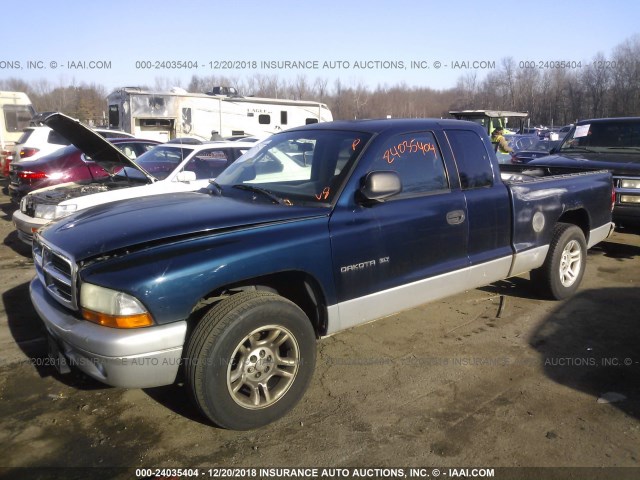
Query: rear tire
[
  {"x": 563, "y": 269},
  {"x": 250, "y": 360}
]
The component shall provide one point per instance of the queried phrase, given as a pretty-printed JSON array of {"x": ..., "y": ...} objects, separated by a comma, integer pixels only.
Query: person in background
[
  {"x": 500, "y": 144},
  {"x": 215, "y": 135}
]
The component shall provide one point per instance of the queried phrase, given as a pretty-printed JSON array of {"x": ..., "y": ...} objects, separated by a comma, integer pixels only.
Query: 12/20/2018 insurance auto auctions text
[{"x": 317, "y": 472}]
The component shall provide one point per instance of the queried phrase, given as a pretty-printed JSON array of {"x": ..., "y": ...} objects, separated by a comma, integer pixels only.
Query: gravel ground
[{"x": 492, "y": 377}]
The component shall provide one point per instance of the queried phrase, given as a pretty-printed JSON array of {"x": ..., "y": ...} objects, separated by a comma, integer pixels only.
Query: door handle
[{"x": 455, "y": 217}]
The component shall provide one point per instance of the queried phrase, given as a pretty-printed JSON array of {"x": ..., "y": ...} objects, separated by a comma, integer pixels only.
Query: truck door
[
  {"x": 383, "y": 252},
  {"x": 487, "y": 198}
]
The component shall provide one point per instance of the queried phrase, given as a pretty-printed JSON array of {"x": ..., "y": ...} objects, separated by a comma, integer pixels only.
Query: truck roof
[
  {"x": 388, "y": 125},
  {"x": 608, "y": 120},
  {"x": 488, "y": 113}
]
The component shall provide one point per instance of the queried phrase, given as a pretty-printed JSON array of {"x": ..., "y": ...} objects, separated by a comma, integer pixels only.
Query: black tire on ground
[
  {"x": 563, "y": 269},
  {"x": 250, "y": 360}
]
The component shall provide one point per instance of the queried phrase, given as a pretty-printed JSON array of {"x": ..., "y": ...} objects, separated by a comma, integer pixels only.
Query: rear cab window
[{"x": 475, "y": 167}]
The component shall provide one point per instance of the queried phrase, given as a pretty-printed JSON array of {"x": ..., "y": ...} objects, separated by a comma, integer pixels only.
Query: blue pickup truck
[
  {"x": 604, "y": 144},
  {"x": 312, "y": 231}
]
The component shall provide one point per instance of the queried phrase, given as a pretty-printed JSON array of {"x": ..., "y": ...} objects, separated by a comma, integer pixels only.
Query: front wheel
[
  {"x": 250, "y": 360},
  {"x": 563, "y": 269}
]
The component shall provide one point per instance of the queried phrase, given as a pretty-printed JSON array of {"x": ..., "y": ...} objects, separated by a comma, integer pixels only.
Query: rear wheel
[
  {"x": 563, "y": 269},
  {"x": 250, "y": 360}
]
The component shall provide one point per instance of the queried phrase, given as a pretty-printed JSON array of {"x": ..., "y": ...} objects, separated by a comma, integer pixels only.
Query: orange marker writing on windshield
[{"x": 325, "y": 194}]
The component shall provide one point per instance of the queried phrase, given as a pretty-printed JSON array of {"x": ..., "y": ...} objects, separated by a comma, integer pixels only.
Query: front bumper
[
  {"x": 17, "y": 192},
  {"x": 26, "y": 225},
  {"x": 626, "y": 214},
  {"x": 132, "y": 358}
]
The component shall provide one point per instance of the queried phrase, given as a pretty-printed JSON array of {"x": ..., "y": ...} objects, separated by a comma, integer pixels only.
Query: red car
[{"x": 68, "y": 164}]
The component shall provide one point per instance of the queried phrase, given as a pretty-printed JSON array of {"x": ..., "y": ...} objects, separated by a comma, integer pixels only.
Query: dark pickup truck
[
  {"x": 312, "y": 231},
  {"x": 604, "y": 144}
]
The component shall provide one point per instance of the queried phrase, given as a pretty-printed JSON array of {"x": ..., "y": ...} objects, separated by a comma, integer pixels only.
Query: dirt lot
[{"x": 490, "y": 378}]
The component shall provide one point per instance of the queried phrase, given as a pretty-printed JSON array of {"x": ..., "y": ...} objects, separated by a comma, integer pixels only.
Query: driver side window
[{"x": 416, "y": 159}]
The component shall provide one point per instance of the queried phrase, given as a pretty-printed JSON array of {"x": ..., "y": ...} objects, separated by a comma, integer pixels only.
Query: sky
[{"x": 420, "y": 43}]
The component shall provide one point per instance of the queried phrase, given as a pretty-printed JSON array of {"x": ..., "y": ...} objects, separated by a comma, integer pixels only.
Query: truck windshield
[
  {"x": 604, "y": 137},
  {"x": 307, "y": 166}
]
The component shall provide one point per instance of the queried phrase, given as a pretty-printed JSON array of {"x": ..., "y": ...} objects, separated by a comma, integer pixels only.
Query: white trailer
[
  {"x": 15, "y": 113},
  {"x": 166, "y": 115}
]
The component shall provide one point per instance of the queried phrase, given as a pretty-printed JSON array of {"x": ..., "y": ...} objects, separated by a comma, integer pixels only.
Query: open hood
[{"x": 92, "y": 144}]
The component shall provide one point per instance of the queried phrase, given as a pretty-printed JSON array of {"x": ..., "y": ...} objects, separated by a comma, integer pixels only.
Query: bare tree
[
  {"x": 165, "y": 84},
  {"x": 301, "y": 88},
  {"x": 595, "y": 80},
  {"x": 320, "y": 88},
  {"x": 625, "y": 78},
  {"x": 509, "y": 81}
]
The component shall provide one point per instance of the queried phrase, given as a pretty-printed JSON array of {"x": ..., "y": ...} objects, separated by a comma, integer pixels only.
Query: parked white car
[
  {"x": 36, "y": 142},
  {"x": 166, "y": 168}
]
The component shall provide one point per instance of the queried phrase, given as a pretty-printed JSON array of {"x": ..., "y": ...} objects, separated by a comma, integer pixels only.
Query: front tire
[
  {"x": 563, "y": 269},
  {"x": 250, "y": 360}
]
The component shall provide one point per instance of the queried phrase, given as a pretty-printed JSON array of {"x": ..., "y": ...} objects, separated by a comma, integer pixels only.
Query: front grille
[{"x": 56, "y": 271}]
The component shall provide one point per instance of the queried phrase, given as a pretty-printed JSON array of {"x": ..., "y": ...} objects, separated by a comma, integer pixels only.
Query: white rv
[
  {"x": 166, "y": 115},
  {"x": 16, "y": 112}
]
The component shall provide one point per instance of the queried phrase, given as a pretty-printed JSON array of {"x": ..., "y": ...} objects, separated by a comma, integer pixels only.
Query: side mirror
[
  {"x": 378, "y": 186},
  {"x": 186, "y": 176}
]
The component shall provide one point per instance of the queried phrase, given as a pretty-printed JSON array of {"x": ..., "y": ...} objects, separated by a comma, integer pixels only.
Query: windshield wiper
[
  {"x": 577, "y": 149},
  {"x": 635, "y": 149},
  {"x": 217, "y": 185},
  {"x": 252, "y": 188}
]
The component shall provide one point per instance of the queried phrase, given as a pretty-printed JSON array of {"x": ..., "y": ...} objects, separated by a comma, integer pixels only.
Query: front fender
[{"x": 170, "y": 278}]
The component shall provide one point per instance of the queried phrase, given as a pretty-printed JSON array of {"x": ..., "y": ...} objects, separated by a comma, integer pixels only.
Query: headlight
[
  {"x": 629, "y": 199},
  {"x": 630, "y": 184},
  {"x": 52, "y": 212},
  {"x": 46, "y": 212},
  {"x": 112, "y": 308}
]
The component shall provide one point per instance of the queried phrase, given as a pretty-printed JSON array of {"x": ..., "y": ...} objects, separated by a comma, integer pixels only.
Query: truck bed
[
  {"x": 542, "y": 196},
  {"x": 517, "y": 174}
]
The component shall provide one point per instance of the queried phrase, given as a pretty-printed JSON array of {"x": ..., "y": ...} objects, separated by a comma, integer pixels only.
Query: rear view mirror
[
  {"x": 186, "y": 176},
  {"x": 378, "y": 186}
]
